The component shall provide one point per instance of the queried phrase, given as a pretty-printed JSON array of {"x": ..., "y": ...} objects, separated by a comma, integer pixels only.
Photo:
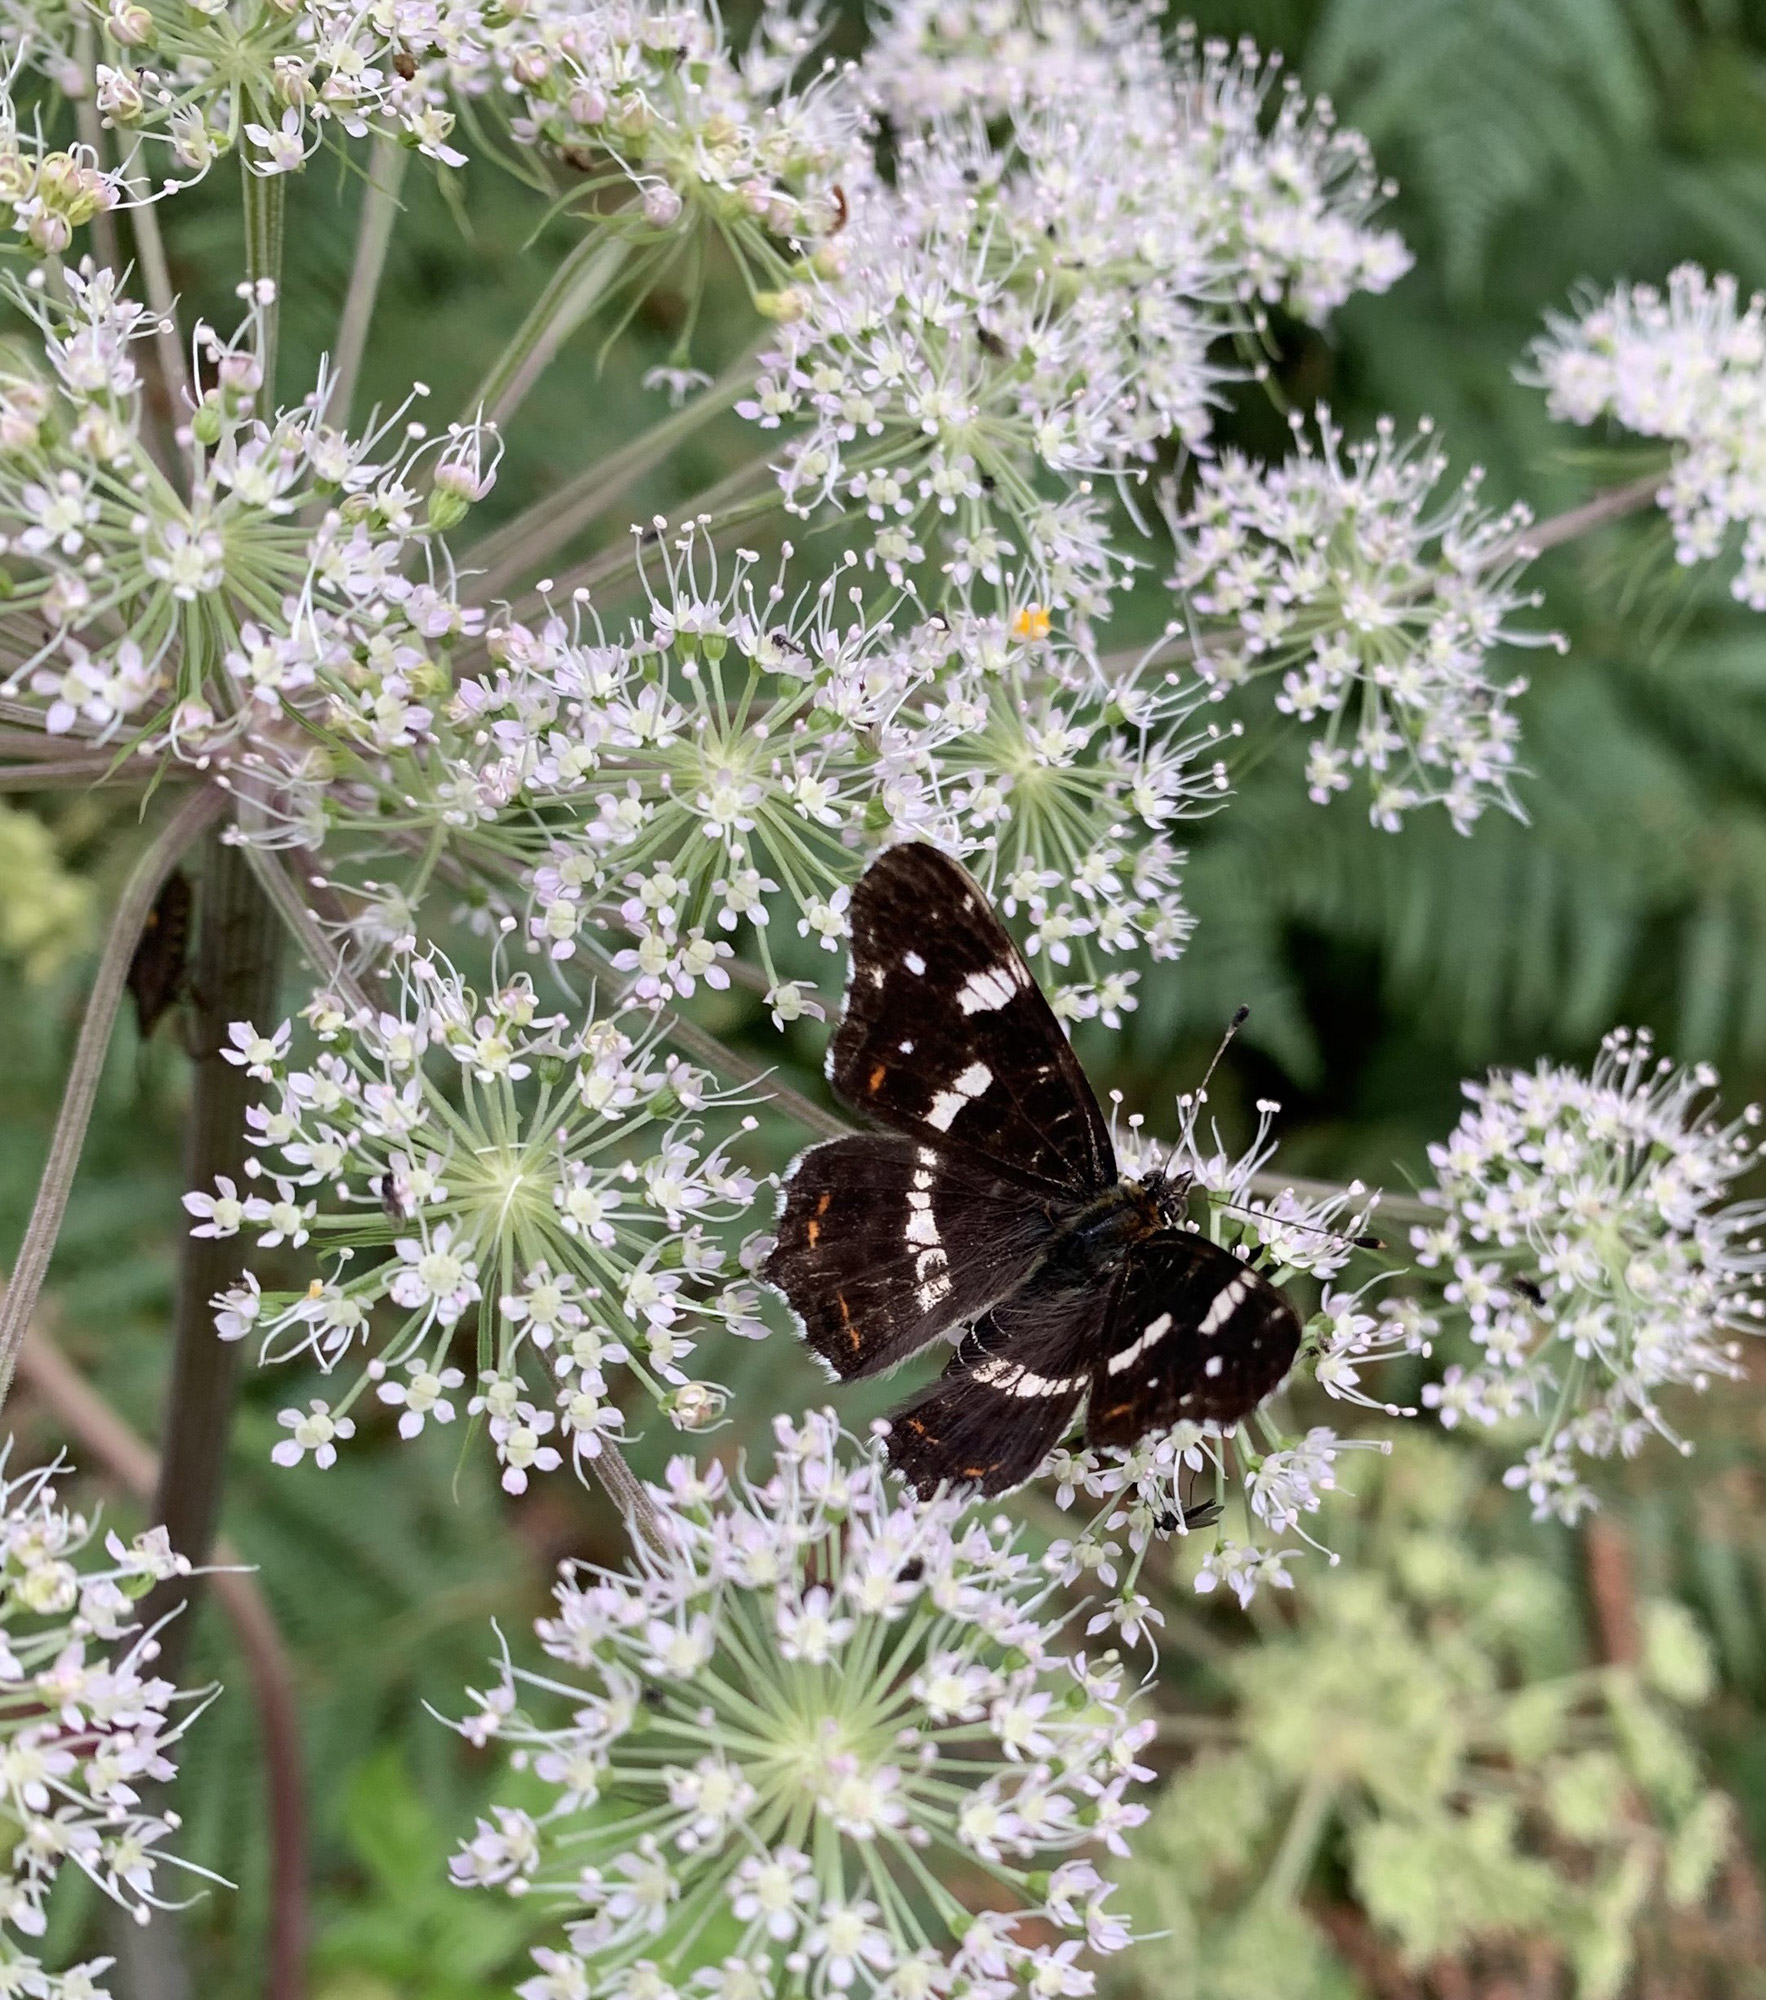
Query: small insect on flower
[{"x": 820, "y": 1711}]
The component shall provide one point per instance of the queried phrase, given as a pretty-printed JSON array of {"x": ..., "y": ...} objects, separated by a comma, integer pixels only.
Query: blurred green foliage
[
  {"x": 1434, "y": 1718},
  {"x": 1426, "y": 1740}
]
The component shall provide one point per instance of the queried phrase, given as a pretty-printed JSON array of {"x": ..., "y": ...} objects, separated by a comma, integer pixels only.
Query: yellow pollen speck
[
  {"x": 315, "y": 1288},
  {"x": 1032, "y": 623}
]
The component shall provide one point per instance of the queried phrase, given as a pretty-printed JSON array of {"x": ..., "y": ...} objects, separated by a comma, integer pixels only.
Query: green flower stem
[
  {"x": 48, "y": 775},
  {"x": 233, "y": 979},
  {"x": 168, "y": 347},
  {"x": 109, "y": 1442},
  {"x": 1305, "y": 1829},
  {"x": 380, "y": 208},
  {"x": 266, "y": 210},
  {"x": 576, "y": 288},
  {"x": 199, "y": 810},
  {"x": 521, "y": 545}
]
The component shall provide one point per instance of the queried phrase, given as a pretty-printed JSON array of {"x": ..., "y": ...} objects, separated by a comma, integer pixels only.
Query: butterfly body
[{"x": 992, "y": 1211}]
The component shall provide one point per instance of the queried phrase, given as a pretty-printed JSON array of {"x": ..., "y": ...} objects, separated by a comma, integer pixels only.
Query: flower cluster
[
  {"x": 1282, "y": 201},
  {"x": 1585, "y": 1246},
  {"x": 1378, "y": 606},
  {"x": 1026, "y": 310},
  {"x": 193, "y": 79},
  {"x": 735, "y": 749},
  {"x": 1689, "y": 367},
  {"x": 546, "y": 1184},
  {"x": 215, "y": 619},
  {"x": 48, "y": 192},
  {"x": 844, "y": 1736},
  {"x": 1183, "y": 1479},
  {"x": 84, "y": 1722},
  {"x": 649, "y": 101}
]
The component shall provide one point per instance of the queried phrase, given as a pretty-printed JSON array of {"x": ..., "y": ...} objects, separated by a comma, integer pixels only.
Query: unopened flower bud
[
  {"x": 129, "y": 24},
  {"x": 51, "y": 233},
  {"x": 662, "y": 206},
  {"x": 784, "y": 306},
  {"x": 289, "y": 83}
]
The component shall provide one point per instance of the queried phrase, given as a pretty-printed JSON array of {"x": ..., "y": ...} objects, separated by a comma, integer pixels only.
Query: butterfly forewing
[
  {"x": 947, "y": 1037},
  {"x": 1011, "y": 1391},
  {"x": 1194, "y": 1334},
  {"x": 883, "y": 1244}
]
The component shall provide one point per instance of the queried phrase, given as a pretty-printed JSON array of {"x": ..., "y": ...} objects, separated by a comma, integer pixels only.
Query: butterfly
[{"x": 991, "y": 1209}]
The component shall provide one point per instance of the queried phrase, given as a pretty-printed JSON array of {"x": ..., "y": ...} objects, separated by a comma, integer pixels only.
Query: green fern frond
[{"x": 1482, "y": 104}]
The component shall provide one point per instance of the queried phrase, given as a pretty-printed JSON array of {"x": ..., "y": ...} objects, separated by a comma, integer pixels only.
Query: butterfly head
[{"x": 1169, "y": 1195}]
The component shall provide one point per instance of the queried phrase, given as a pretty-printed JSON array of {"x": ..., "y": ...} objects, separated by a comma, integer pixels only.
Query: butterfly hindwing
[
  {"x": 1011, "y": 1391},
  {"x": 1194, "y": 1334},
  {"x": 883, "y": 1245},
  {"x": 947, "y": 1037}
]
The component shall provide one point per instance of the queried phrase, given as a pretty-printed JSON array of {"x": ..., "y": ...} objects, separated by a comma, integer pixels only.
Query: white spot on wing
[
  {"x": 945, "y": 1106},
  {"x": 914, "y": 962},
  {"x": 922, "y": 1227},
  {"x": 934, "y": 1292},
  {"x": 906, "y": 1048},
  {"x": 986, "y": 992},
  {"x": 1224, "y": 1305},
  {"x": 1155, "y": 1329},
  {"x": 1213, "y": 1366},
  {"x": 1018, "y": 1381}
]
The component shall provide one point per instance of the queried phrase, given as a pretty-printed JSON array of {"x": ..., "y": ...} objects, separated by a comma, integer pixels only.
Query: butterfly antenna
[
  {"x": 1232, "y": 1028},
  {"x": 1307, "y": 1228}
]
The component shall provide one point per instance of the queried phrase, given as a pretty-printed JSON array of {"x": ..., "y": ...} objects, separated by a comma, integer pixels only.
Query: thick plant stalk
[
  {"x": 380, "y": 207},
  {"x": 234, "y": 979},
  {"x": 197, "y": 811},
  {"x": 1575, "y": 522},
  {"x": 577, "y": 287},
  {"x": 109, "y": 1442}
]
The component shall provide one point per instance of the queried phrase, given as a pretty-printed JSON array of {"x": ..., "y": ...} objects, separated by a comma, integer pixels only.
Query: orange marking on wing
[
  {"x": 822, "y": 1201},
  {"x": 854, "y": 1339},
  {"x": 813, "y": 1230},
  {"x": 876, "y": 1082},
  {"x": 978, "y": 1471},
  {"x": 1117, "y": 1410},
  {"x": 914, "y": 1424}
]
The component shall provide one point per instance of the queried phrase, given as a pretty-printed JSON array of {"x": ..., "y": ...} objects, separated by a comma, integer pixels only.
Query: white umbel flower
[
  {"x": 827, "y": 1705},
  {"x": 1687, "y": 365},
  {"x": 1587, "y": 1247},
  {"x": 1379, "y": 605},
  {"x": 85, "y": 1724}
]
